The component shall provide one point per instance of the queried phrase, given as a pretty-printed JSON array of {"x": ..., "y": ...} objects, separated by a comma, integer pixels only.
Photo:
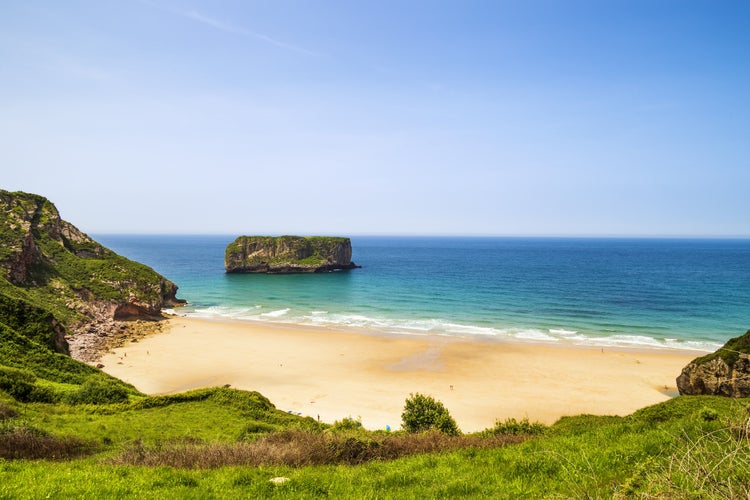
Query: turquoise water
[{"x": 690, "y": 294}]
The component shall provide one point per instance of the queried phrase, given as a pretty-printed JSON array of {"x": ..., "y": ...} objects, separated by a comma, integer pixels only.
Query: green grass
[
  {"x": 210, "y": 415},
  {"x": 659, "y": 450},
  {"x": 730, "y": 352}
]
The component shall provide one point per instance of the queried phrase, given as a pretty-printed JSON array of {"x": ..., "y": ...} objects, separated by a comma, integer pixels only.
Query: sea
[{"x": 611, "y": 292}]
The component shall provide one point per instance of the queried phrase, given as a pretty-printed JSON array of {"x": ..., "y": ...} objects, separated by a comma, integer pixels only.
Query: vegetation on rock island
[{"x": 288, "y": 254}]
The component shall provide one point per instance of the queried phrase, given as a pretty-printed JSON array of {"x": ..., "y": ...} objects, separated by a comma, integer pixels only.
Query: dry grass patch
[
  {"x": 23, "y": 442},
  {"x": 300, "y": 448},
  {"x": 7, "y": 412}
]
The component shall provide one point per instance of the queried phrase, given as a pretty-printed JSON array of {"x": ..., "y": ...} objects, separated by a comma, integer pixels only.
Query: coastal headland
[{"x": 332, "y": 375}]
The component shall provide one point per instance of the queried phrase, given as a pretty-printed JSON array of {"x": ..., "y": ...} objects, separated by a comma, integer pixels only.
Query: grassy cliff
[{"x": 57, "y": 284}]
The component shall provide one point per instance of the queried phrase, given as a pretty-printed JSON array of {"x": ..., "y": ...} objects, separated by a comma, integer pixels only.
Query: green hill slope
[{"x": 61, "y": 289}]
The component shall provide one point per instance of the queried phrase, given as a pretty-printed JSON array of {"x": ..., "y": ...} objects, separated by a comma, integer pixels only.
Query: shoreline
[
  {"x": 504, "y": 336},
  {"x": 475, "y": 338},
  {"x": 332, "y": 374}
]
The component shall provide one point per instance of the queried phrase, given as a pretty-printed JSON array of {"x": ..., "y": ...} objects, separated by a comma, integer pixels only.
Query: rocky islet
[{"x": 288, "y": 254}]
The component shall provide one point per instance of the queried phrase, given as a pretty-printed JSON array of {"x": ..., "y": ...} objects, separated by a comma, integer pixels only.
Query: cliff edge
[
  {"x": 725, "y": 372},
  {"x": 50, "y": 269},
  {"x": 288, "y": 254}
]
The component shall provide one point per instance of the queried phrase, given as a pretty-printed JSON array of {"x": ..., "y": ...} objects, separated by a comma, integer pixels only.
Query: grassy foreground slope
[{"x": 686, "y": 447}]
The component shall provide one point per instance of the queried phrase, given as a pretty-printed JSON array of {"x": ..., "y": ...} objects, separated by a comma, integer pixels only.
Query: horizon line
[{"x": 446, "y": 235}]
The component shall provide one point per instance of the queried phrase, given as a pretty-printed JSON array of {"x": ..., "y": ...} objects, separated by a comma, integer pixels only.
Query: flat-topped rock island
[{"x": 288, "y": 254}]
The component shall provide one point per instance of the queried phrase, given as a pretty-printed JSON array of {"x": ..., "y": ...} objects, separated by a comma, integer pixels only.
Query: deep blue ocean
[{"x": 674, "y": 293}]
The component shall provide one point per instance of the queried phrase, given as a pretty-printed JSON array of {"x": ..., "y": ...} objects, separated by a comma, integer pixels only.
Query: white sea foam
[
  {"x": 276, "y": 314},
  {"x": 535, "y": 335},
  {"x": 563, "y": 332},
  {"x": 434, "y": 326}
]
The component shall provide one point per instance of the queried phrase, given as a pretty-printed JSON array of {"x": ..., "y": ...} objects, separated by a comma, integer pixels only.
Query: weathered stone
[
  {"x": 288, "y": 254},
  {"x": 84, "y": 286},
  {"x": 724, "y": 373}
]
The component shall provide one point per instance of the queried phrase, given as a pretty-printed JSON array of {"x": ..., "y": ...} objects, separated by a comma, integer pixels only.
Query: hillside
[
  {"x": 74, "y": 291},
  {"x": 222, "y": 443}
]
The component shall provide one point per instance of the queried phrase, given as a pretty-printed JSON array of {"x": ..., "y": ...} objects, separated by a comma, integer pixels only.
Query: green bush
[
  {"x": 43, "y": 394},
  {"x": 513, "y": 427},
  {"x": 423, "y": 413},
  {"x": 99, "y": 391},
  {"x": 347, "y": 424},
  {"x": 19, "y": 384}
]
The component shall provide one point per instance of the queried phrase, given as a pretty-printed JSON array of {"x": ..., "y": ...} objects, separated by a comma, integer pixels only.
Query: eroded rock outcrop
[
  {"x": 47, "y": 264},
  {"x": 288, "y": 254},
  {"x": 724, "y": 373}
]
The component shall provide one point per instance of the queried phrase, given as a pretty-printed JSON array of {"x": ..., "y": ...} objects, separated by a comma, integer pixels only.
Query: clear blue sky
[{"x": 600, "y": 117}]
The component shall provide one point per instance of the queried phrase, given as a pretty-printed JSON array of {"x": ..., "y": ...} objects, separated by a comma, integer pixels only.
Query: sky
[{"x": 465, "y": 117}]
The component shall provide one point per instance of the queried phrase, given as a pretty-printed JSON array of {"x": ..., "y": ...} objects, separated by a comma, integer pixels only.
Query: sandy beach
[{"x": 331, "y": 374}]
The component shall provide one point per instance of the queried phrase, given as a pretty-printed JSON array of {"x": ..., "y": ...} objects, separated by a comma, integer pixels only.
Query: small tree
[{"x": 422, "y": 413}]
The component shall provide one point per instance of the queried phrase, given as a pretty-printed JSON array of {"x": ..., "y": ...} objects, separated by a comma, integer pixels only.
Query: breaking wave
[{"x": 422, "y": 327}]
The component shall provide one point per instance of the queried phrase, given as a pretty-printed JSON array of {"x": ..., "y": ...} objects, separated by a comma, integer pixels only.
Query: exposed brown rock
[
  {"x": 87, "y": 289},
  {"x": 724, "y": 373}
]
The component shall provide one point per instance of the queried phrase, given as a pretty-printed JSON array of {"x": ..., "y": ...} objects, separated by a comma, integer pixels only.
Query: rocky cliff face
[
  {"x": 724, "y": 373},
  {"x": 288, "y": 254},
  {"x": 47, "y": 264}
]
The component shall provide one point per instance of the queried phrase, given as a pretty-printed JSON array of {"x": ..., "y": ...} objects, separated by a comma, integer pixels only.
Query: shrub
[
  {"x": 42, "y": 394},
  {"x": 347, "y": 424},
  {"x": 98, "y": 391},
  {"x": 423, "y": 413},
  {"x": 513, "y": 427},
  {"x": 19, "y": 384}
]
